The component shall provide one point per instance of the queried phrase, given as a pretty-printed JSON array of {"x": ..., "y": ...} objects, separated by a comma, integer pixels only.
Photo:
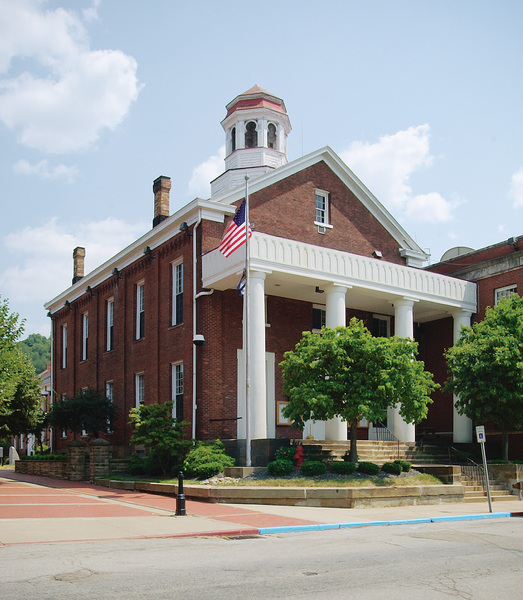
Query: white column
[
  {"x": 404, "y": 327},
  {"x": 461, "y": 425},
  {"x": 258, "y": 391},
  {"x": 335, "y": 316}
]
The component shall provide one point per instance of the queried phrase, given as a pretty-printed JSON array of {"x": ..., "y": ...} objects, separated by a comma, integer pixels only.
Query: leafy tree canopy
[
  {"x": 19, "y": 384},
  {"x": 347, "y": 372},
  {"x": 38, "y": 349},
  {"x": 486, "y": 368},
  {"x": 88, "y": 410},
  {"x": 155, "y": 428}
]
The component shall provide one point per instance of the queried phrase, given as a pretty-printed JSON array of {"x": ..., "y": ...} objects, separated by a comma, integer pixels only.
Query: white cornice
[
  {"x": 166, "y": 230},
  {"x": 334, "y": 162}
]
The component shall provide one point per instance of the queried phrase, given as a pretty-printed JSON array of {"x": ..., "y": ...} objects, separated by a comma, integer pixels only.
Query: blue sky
[{"x": 422, "y": 99}]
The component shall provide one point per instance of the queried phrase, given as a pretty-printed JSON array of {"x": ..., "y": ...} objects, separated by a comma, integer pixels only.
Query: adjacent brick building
[{"x": 323, "y": 250}]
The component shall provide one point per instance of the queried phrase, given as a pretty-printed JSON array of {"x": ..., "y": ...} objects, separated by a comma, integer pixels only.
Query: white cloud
[
  {"x": 44, "y": 170},
  {"x": 205, "y": 172},
  {"x": 386, "y": 166},
  {"x": 41, "y": 264},
  {"x": 69, "y": 94},
  {"x": 516, "y": 188}
]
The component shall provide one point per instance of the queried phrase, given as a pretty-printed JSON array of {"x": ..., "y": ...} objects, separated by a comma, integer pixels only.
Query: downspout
[{"x": 196, "y": 295}]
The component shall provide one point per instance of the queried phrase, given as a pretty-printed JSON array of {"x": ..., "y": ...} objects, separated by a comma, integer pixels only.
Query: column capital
[
  {"x": 461, "y": 313},
  {"x": 337, "y": 287},
  {"x": 404, "y": 301}
]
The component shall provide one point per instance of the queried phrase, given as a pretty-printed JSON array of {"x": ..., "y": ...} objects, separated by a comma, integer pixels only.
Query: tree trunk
[
  {"x": 504, "y": 442},
  {"x": 353, "y": 452}
]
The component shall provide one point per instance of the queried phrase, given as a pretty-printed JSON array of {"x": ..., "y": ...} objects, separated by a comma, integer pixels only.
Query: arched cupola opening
[
  {"x": 233, "y": 139},
  {"x": 271, "y": 136},
  {"x": 251, "y": 135}
]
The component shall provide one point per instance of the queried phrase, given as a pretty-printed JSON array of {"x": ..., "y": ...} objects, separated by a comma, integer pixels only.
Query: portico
[{"x": 339, "y": 280}]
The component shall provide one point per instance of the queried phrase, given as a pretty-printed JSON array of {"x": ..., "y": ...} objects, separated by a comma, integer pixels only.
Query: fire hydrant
[{"x": 298, "y": 457}]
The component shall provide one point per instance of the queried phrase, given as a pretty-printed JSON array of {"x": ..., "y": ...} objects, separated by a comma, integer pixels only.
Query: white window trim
[
  {"x": 319, "y": 307},
  {"x": 139, "y": 389},
  {"x": 384, "y": 318},
  {"x": 325, "y": 195},
  {"x": 498, "y": 293},
  {"x": 174, "y": 267},
  {"x": 85, "y": 335},
  {"x": 174, "y": 384},
  {"x": 64, "y": 346},
  {"x": 140, "y": 287},
  {"x": 109, "y": 324}
]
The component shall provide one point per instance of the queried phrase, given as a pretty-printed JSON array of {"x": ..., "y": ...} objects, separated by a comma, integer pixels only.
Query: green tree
[
  {"x": 88, "y": 410},
  {"x": 19, "y": 384},
  {"x": 155, "y": 428},
  {"x": 38, "y": 349},
  {"x": 346, "y": 372},
  {"x": 486, "y": 368}
]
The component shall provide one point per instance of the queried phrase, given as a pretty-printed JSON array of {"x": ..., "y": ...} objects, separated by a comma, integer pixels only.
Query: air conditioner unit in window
[{"x": 322, "y": 229}]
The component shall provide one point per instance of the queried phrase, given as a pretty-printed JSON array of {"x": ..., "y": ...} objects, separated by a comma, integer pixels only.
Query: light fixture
[
  {"x": 184, "y": 228},
  {"x": 149, "y": 253},
  {"x": 89, "y": 290},
  {"x": 318, "y": 291},
  {"x": 513, "y": 242},
  {"x": 377, "y": 254},
  {"x": 117, "y": 273}
]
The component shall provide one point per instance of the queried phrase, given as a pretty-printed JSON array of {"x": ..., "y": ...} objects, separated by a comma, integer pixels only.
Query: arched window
[
  {"x": 233, "y": 139},
  {"x": 251, "y": 135},
  {"x": 271, "y": 136}
]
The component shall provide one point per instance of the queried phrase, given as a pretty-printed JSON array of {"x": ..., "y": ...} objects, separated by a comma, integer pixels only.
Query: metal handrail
[
  {"x": 469, "y": 468},
  {"x": 384, "y": 434}
]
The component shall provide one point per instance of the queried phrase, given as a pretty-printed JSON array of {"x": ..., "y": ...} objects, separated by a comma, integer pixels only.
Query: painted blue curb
[
  {"x": 324, "y": 526},
  {"x": 496, "y": 515}
]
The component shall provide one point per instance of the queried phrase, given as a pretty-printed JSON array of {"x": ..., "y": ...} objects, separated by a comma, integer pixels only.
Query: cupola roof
[{"x": 256, "y": 97}]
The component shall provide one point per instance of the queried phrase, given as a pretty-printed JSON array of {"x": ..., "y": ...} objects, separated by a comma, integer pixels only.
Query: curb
[{"x": 320, "y": 527}]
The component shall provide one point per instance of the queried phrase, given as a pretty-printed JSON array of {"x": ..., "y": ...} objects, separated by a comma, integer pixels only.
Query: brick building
[{"x": 323, "y": 250}]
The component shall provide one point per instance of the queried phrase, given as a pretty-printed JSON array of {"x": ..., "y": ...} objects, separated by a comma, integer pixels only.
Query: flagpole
[{"x": 246, "y": 324}]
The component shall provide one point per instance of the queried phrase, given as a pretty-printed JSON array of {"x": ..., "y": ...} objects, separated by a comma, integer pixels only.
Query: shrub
[
  {"x": 285, "y": 453},
  {"x": 41, "y": 457},
  {"x": 393, "y": 468},
  {"x": 341, "y": 467},
  {"x": 368, "y": 468},
  {"x": 280, "y": 468},
  {"x": 207, "y": 460},
  {"x": 312, "y": 468},
  {"x": 405, "y": 465}
]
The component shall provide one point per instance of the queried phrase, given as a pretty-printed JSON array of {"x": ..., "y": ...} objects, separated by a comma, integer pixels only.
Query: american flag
[{"x": 235, "y": 235}]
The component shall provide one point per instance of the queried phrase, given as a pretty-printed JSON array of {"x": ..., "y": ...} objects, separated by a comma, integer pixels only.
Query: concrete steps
[
  {"x": 474, "y": 492},
  {"x": 378, "y": 452}
]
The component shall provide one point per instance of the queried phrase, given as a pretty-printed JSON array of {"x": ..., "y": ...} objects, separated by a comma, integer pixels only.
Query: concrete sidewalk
[{"x": 43, "y": 510}]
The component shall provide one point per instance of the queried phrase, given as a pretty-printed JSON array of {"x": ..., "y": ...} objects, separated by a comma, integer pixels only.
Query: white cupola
[{"x": 256, "y": 129}]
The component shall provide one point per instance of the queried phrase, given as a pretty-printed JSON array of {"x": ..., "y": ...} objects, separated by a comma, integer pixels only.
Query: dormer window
[
  {"x": 271, "y": 136},
  {"x": 251, "y": 135},
  {"x": 233, "y": 139}
]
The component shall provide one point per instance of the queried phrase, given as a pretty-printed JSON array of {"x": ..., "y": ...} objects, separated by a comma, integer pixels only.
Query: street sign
[{"x": 480, "y": 434}]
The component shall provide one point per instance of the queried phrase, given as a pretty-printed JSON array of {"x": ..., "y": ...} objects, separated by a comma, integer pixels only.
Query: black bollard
[{"x": 180, "y": 497}]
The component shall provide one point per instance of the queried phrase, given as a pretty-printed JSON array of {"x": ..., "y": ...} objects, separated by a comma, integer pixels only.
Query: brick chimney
[
  {"x": 161, "y": 188},
  {"x": 78, "y": 263}
]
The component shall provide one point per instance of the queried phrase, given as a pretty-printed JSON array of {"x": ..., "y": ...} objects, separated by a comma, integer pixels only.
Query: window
[
  {"x": 84, "y": 431},
  {"x": 85, "y": 335},
  {"x": 64, "y": 429},
  {"x": 318, "y": 317},
  {"x": 64, "y": 346},
  {"x": 251, "y": 135},
  {"x": 271, "y": 136},
  {"x": 109, "y": 396},
  {"x": 505, "y": 292},
  {"x": 233, "y": 139},
  {"x": 322, "y": 211},
  {"x": 139, "y": 389},
  {"x": 177, "y": 307},
  {"x": 109, "y": 343},
  {"x": 380, "y": 326},
  {"x": 177, "y": 391},
  {"x": 140, "y": 311}
]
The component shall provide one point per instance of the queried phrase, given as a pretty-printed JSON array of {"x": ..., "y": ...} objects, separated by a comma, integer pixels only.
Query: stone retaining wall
[
  {"x": 45, "y": 468},
  {"x": 361, "y": 497}
]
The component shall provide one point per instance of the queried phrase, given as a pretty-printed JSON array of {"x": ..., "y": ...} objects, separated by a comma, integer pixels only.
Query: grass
[{"x": 328, "y": 480}]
